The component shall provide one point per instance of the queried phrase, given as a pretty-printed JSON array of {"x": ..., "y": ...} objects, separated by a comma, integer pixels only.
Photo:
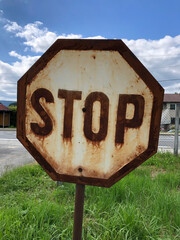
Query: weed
[{"x": 142, "y": 206}]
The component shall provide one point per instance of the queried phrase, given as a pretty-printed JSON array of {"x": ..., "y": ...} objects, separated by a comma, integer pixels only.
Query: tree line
[{"x": 13, "y": 116}]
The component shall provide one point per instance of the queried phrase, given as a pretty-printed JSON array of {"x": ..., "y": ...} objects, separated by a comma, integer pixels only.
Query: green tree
[
  {"x": 13, "y": 104},
  {"x": 13, "y": 115}
]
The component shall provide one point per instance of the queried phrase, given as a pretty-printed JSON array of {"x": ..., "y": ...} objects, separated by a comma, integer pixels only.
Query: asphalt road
[
  {"x": 12, "y": 153},
  {"x": 166, "y": 141}
]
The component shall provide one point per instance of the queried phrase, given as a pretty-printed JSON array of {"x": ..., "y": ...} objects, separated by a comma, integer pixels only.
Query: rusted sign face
[{"x": 89, "y": 112}]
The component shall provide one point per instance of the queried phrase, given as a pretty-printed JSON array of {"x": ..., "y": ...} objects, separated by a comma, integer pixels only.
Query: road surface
[
  {"x": 12, "y": 153},
  {"x": 167, "y": 140}
]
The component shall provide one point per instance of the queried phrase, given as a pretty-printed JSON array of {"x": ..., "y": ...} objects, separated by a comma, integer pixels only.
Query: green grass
[{"x": 143, "y": 205}]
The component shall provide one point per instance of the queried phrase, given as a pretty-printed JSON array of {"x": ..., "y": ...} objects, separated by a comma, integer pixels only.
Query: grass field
[{"x": 143, "y": 205}]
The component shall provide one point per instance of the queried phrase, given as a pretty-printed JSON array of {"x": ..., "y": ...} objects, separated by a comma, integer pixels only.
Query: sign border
[{"x": 137, "y": 66}]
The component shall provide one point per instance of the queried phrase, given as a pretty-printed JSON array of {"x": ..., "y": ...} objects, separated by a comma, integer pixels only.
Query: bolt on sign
[{"x": 89, "y": 111}]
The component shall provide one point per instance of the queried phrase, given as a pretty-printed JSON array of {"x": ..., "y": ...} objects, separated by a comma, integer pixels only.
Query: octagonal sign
[{"x": 89, "y": 111}]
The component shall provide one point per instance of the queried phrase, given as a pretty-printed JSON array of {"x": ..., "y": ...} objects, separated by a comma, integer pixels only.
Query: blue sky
[{"x": 149, "y": 28}]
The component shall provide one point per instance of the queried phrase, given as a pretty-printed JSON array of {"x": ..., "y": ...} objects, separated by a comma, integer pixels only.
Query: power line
[
  {"x": 162, "y": 80},
  {"x": 159, "y": 55},
  {"x": 166, "y": 80},
  {"x": 9, "y": 82},
  {"x": 166, "y": 66}
]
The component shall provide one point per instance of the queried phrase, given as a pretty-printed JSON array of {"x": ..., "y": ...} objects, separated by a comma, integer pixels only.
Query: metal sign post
[
  {"x": 78, "y": 212},
  {"x": 176, "y": 136}
]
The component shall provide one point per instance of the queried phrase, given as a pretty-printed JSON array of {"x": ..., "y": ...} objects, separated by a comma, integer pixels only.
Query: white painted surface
[{"x": 88, "y": 71}]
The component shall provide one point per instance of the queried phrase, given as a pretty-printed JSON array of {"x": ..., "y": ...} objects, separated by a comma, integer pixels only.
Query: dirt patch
[{"x": 156, "y": 172}]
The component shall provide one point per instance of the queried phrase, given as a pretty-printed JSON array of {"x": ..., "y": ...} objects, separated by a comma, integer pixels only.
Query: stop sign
[{"x": 89, "y": 111}]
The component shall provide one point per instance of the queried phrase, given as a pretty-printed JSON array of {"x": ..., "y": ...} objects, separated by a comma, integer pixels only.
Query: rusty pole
[
  {"x": 78, "y": 212},
  {"x": 176, "y": 135}
]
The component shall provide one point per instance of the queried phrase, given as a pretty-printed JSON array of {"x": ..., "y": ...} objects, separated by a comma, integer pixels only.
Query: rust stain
[
  {"x": 69, "y": 65},
  {"x": 88, "y": 149},
  {"x": 115, "y": 61}
]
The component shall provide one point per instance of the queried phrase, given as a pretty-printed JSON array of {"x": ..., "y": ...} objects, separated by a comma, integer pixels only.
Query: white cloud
[
  {"x": 20, "y": 67},
  {"x": 161, "y": 57},
  {"x": 41, "y": 43},
  {"x": 10, "y": 73},
  {"x": 37, "y": 37},
  {"x": 12, "y": 27},
  {"x": 96, "y": 37},
  {"x": 70, "y": 36},
  {"x": 173, "y": 88}
]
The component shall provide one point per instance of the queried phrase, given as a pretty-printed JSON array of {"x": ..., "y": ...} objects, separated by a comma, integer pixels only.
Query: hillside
[{"x": 6, "y": 103}]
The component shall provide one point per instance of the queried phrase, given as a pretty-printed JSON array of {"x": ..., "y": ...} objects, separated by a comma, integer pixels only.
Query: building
[
  {"x": 4, "y": 116},
  {"x": 169, "y": 110}
]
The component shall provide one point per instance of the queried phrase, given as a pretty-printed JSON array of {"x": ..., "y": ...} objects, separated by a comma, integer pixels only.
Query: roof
[
  {"x": 4, "y": 108},
  {"x": 172, "y": 98}
]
